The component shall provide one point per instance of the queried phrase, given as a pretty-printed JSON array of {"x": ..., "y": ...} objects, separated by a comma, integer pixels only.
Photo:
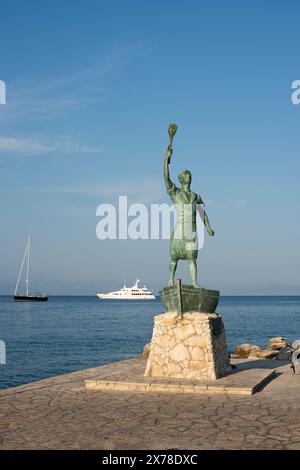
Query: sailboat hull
[{"x": 30, "y": 298}]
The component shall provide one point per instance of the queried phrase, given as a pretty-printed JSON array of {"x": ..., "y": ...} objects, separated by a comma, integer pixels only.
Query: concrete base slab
[{"x": 246, "y": 378}]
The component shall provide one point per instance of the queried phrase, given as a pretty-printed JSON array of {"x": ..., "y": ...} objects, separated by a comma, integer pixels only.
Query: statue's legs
[
  {"x": 193, "y": 271},
  {"x": 172, "y": 269}
]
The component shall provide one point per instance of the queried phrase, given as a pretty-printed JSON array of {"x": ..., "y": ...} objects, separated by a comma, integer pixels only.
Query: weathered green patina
[
  {"x": 184, "y": 242},
  {"x": 191, "y": 299}
]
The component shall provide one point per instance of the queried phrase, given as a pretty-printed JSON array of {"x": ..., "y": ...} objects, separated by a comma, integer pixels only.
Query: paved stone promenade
[{"x": 59, "y": 413}]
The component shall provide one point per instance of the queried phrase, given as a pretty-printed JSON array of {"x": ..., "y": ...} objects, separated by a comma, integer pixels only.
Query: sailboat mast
[
  {"x": 27, "y": 296},
  {"x": 19, "y": 276},
  {"x": 28, "y": 267}
]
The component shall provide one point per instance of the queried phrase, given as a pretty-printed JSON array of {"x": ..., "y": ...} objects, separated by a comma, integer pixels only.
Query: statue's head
[{"x": 185, "y": 177}]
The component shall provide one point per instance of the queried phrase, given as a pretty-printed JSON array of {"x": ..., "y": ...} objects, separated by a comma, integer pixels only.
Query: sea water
[{"x": 67, "y": 334}]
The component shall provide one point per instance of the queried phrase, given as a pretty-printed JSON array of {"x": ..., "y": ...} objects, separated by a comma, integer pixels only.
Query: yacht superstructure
[{"x": 130, "y": 293}]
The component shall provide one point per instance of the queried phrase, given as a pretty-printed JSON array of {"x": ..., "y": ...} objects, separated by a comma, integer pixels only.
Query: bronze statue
[{"x": 184, "y": 242}]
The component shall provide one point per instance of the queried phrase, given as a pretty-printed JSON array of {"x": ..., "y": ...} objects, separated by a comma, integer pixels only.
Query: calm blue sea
[{"x": 66, "y": 334}]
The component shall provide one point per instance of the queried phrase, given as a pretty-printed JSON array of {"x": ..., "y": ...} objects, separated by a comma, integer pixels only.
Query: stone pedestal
[{"x": 192, "y": 347}]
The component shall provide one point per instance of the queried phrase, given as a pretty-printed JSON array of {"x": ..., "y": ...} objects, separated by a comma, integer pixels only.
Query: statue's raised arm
[{"x": 169, "y": 152}]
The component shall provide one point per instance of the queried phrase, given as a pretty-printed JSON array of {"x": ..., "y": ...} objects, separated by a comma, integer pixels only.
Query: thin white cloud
[
  {"x": 89, "y": 149},
  {"x": 72, "y": 145},
  {"x": 52, "y": 98},
  {"x": 142, "y": 191},
  {"x": 20, "y": 146}
]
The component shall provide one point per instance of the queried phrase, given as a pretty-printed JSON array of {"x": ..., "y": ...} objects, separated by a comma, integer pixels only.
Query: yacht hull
[{"x": 124, "y": 298}]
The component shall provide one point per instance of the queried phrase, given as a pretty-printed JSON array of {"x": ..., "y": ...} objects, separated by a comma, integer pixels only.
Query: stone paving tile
[{"x": 59, "y": 413}]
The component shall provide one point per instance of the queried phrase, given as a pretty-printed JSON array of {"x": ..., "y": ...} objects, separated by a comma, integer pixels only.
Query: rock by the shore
[
  {"x": 267, "y": 354},
  {"x": 243, "y": 350},
  {"x": 255, "y": 351},
  {"x": 246, "y": 350},
  {"x": 278, "y": 348},
  {"x": 277, "y": 343}
]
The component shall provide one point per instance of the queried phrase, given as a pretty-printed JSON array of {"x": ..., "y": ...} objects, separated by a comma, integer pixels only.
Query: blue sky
[{"x": 91, "y": 88}]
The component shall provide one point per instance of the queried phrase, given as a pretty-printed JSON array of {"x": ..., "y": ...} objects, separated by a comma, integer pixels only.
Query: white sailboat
[{"x": 27, "y": 296}]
